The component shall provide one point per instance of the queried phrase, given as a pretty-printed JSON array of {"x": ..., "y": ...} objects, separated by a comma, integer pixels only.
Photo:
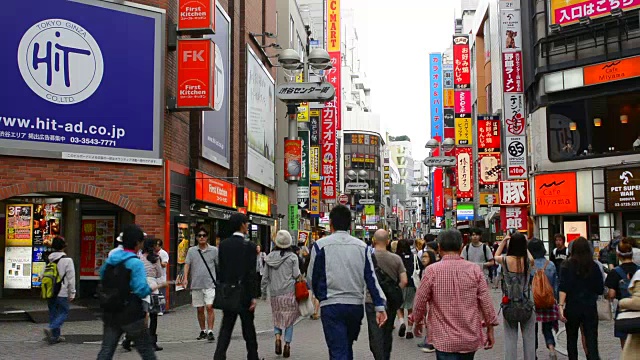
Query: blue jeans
[
  {"x": 288, "y": 333},
  {"x": 58, "y": 313},
  {"x": 341, "y": 326},
  {"x": 454, "y": 356}
]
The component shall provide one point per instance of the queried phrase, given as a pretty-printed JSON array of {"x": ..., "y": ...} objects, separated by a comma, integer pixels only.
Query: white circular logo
[
  {"x": 60, "y": 61},
  {"x": 218, "y": 94}
]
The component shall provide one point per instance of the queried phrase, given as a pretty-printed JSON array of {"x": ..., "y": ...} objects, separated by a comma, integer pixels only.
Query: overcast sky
[{"x": 396, "y": 38}]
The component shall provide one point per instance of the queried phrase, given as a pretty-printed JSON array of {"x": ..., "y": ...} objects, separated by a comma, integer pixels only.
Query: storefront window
[{"x": 597, "y": 127}]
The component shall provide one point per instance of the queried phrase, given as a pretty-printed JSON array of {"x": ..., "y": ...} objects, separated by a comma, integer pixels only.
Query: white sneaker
[{"x": 160, "y": 313}]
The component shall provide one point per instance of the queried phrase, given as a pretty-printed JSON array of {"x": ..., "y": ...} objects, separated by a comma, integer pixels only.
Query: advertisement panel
[
  {"x": 514, "y": 120},
  {"x": 215, "y": 124},
  {"x": 328, "y": 157},
  {"x": 333, "y": 37},
  {"x": 514, "y": 192},
  {"x": 261, "y": 122},
  {"x": 97, "y": 236},
  {"x": 303, "y": 183},
  {"x": 314, "y": 163},
  {"x": 622, "y": 189},
  {"x": 464, "y": 131},
  {"x": 514, "y": 217},
  {"x": 464, "y": 174},
  {"x": 47, "y": 214},
  {"x": 512, "y": 72},
  {"x": 488, "y": 134},
  {"x": 314, "y": 205},
  {"x": 257, "y": 203},
  {"x": 196, "y": 16},
  {"x": 488, "y": 169},
  {"x": 464, "y": 212},
  {"x": 516, "y": 157},
  {"x": 566, "y": 12},
  {"x": 292, "y": 159},
  {"x": 95, "y": 94},
  {"x": 19, "y": 228},
  {"x": 511, "y": 30},
  {"x": 436, "y": 96},
  {"x": 449, "y": 118},
  {"x": 17, "y": 267},
  {"x": 215, "y": 191},
  {"x": 556, "y": 194},
  {"x": 196, "y": 72},
  {"x": 461, "y": 62},
  {"x": 612, "y": 71},
  {"x": 463, "y": 103}
]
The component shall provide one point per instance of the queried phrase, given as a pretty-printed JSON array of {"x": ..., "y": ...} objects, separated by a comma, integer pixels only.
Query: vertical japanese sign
[
  {"x": 314, "y": 144},
  {"x": 513, "y": 90},
  {"x": 513, "y": 217},
  {"x": 303, "y": 184},
  {"x": 464, "y": 178},
  {"x": 334, "y": 48},
  {"x": 314, "y": 202},
  {"x": 449, "y": 97},
  {"x": 293, "y": 217},
  {"x": 196, "y": 16},
  {"x": 488, "y": 155},
  {"x": 196, "y": 70},
  {"x": 461, "y": 62},
  {"x": 328, "y": 159},
  {"x": 435, "y": 79},
  {"x": 303, "y": 109}
]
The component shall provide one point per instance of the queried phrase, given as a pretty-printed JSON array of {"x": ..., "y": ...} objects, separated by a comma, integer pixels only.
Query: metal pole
[
  {"x": 427, "y": 199},
  {"x": 292, "y": 114}
]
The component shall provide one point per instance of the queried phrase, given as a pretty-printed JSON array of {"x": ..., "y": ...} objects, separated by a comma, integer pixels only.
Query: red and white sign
[
  {"x": 464, "y": 156},
  {"x": 514, "y": 192},
  {"x": 196, "y": 68},
  {"x": 514, "y": 121},
  {"x": 292, "y": 159},
  {"x": 489, "y": 134},
  {"x": 487, "y": 165},
  {"x": 512, "y": 72},
  {"x": 514, "y": 217},
  {"x": 438, "y": 193},
  {"x": 462, "y": 103},
  {"x": 328, "y": 144},
  {"x": 461, "y": 62},
  {"x": 215, "y": 191},
  {"x": 196, "y": 16},
  {"x": 343, "y": 199}
]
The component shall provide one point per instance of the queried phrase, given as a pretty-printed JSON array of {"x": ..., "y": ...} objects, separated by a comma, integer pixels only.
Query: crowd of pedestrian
[{"x": 400, "y": 286}]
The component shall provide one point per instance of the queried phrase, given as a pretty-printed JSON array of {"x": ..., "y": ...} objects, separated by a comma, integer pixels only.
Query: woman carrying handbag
[
  {"x": 631, "y": 309},
  {"x": 280, "y": 275}
]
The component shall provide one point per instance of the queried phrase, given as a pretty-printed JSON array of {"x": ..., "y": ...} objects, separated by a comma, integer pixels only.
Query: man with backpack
[
  {"x": 392, "y": 277},
  {"x": 478, "y": 252},
  {"x": 619, "y": 279},
  {"x": 59, "y": 288},
  {"x": 122, "y": 289}
]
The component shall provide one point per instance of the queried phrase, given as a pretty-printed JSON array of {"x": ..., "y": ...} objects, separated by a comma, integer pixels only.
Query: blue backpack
[{"x": 623, "y": 284}]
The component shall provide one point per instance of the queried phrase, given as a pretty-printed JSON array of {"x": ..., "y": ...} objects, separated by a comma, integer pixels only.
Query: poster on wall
[
  {"x": 38, "y": 264},
  {"x": 19, "y": 228},
  {"x": 261, "y": 122},
  {"x": 96, "y": 240},
  {"x": 47, "y": 215},
  {"x": 17, "y": 267},
  {"x": 215, "y": 124}
]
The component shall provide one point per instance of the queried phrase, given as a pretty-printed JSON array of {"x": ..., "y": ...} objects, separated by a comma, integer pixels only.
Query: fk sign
[{"x": 196, "y": 66}]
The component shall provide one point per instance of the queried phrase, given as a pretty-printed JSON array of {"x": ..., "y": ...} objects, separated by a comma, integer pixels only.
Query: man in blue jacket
[
  {"x": 122, "y": 302},
  {"x": 340, "y": 270}
]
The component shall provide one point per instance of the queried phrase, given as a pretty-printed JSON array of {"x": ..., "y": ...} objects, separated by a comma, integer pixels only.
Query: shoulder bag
[
  {"x": 229, "y": 296},
  {"x": 416, "y": 272}
]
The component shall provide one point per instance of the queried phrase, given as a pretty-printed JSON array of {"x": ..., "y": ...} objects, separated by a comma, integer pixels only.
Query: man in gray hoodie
[{"x": 59, "y": 306}]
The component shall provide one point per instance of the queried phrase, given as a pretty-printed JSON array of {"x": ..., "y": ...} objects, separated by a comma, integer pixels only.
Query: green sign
[
  {"x": 293, "y": 217},
  {"x": 304, "y": 176}
]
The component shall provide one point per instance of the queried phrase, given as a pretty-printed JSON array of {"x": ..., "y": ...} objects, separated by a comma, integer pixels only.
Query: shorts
[
  {"x": 408, "y": 293},
  {"x": 202, "y": 297}
]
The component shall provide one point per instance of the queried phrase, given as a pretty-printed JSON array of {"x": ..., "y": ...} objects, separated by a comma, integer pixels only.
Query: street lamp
[
  {"x": 446, "y": 145},
  {"x": 352, "y": 175}
]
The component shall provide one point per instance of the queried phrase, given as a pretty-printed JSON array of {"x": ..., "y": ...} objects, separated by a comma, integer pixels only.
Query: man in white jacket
[{"x": 59, "y": 306}]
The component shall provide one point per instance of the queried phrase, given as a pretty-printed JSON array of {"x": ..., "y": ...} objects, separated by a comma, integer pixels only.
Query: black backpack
[
  {"x": 114, "y": 292},
  {"x": 389, "y": 286}
]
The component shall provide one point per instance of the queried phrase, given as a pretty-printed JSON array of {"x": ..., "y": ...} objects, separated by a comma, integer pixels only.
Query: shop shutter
[{"x": 175, "y": 201}]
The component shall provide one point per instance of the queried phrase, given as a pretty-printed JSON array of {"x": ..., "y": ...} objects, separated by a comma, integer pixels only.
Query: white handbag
[
  {"x": 416, "y": 272},
  {"x": 306, "y": 307}
]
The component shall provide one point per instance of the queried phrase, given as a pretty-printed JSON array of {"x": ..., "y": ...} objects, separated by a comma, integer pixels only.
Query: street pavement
[{"x": 178, "y": 330}]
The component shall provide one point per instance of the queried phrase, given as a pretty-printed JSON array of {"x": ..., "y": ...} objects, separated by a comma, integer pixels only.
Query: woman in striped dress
[{"x": 280, "y": 275}]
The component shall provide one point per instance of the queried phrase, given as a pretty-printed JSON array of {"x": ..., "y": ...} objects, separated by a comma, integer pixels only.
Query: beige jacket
[{"x": 632, "y": 346}]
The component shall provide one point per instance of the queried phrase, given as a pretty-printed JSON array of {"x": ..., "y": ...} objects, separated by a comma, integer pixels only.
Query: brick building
[{"x": 43, "y": 192}]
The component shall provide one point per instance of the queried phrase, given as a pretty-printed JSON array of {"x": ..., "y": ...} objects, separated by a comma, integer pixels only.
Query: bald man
[{"x": 380, "y": 338}]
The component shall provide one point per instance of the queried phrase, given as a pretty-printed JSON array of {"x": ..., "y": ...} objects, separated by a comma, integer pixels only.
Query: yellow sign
[
  {"x": 464, "y": 131},
  {"x": 333, "y": 25},
  {"x": 19, "y": 225},
  {"x": 314, "y": 163},
  {"x": 449, "y": 98},
  {"x": 314, "y": 112},
  {"x": 257, "y": 203},
  {"x": 370, "y": 210},
  {"x": 488, "y": 199},
  {"x": 303, "y": 109}
]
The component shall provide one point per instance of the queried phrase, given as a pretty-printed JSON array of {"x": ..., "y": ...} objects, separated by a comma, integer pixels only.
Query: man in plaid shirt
[{"x": 459, "y": 303}]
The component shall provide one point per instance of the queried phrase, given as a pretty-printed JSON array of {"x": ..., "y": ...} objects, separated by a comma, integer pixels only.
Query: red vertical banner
[
  {"x": 334, "y": 47},
  {"x": 328, "y": 161},
  {"x": 461, "y": 62},
  {"x": 88, "y": 245},
  {"x": 464, "y": 178},
  {"x": 438, "y": 193}
]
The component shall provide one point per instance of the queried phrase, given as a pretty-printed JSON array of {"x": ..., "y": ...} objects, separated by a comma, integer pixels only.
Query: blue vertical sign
[{"x": 435, "y": 95}]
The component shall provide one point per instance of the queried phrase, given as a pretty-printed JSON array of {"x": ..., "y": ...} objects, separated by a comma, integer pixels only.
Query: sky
[{"x": 395, "y": 39}]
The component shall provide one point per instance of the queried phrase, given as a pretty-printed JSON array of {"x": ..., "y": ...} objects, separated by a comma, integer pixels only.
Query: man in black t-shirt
[{"x": 560, "y": 253}]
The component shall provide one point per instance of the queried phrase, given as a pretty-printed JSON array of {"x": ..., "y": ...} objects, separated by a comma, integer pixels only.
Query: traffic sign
[
  {"x": 357, "y": 186},
  {"x": 440, "y": 161},
  {"x": 367, "y": 201},
  {"x": 343, "y": 199},
  {"x": 305, "y": 92}
]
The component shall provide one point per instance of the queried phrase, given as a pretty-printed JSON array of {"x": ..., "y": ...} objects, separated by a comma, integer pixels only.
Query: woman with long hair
[
  {"x": 153, "y": 268},
  {"x": 580, "y": 285},
  {"x": 620, "y": 276},
  {"x": 280, "y": 275},
  {"x": 411, "y": 262},
  {"x": 428, "y": 258},
  {"x": 515, "y": 270}
]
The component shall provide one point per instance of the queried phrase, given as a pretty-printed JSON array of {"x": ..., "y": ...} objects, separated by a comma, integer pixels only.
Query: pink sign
[
  {"x": 463, "y": 102},
  {"x": 591, "y": 8}
]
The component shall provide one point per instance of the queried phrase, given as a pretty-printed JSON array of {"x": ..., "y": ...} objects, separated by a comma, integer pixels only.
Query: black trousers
[
  {"x": 587, "y": 316},
  {"x": 248, "y": 333},
  {"x": 380, "y": 338}
]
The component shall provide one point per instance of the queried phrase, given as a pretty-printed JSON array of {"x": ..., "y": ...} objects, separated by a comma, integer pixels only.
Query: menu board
[
  {"x": 19, "y": 226},
  {"x": 97, "y": 237},
  {"x": 17, "y": 267}
]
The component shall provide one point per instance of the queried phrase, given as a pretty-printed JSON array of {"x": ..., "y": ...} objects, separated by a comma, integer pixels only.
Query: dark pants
[
  {"x": 136, "y": 331},
  {"x": 341, "y": 325},
  {"x": 547, "y": 332},
  {"x": 380, "y": 338},
  {"x": 248, "y": 332},
  {"x": 58, "y": 313},
  {"x": 153, "y": 324},
  {"x": 454, "y": 356},
  {"x": 588, "y": 318}
]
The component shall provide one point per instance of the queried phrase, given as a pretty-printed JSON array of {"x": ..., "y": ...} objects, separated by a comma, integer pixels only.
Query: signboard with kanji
[
  {"x": 436, "y": 95},
  {"x": 464, "y": 174},
  {"x": 514, "y": 193},
  {"x": 514, "y": 217},
  {"x": 461, "y": 62},
  {"x": 328, "y": 156}
]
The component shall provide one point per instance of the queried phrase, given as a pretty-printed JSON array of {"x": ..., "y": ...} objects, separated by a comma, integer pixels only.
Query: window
[{"x": 596, "y": 127}]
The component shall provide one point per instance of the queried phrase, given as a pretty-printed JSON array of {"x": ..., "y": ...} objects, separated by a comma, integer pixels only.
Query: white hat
[
  {"x": 119, "y": 238},
  {"x": 283, "y": 239}
]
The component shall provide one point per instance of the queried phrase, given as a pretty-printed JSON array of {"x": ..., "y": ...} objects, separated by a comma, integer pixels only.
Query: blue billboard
[
  {"x": 435, "y": 96},
  {"x": 83, "y": 80}
]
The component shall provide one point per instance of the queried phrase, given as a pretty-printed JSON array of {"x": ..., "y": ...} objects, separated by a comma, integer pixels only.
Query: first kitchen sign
[
  {"x": 196, "y": 68},
  {"x": 196, "y": 17}
]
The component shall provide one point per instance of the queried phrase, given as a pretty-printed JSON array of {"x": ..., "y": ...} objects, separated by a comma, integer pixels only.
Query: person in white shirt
[{"x": 164, "y": 261}]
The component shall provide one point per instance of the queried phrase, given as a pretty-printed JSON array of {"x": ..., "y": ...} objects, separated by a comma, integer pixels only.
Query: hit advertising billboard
[{"x": 78, "y": 87}]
